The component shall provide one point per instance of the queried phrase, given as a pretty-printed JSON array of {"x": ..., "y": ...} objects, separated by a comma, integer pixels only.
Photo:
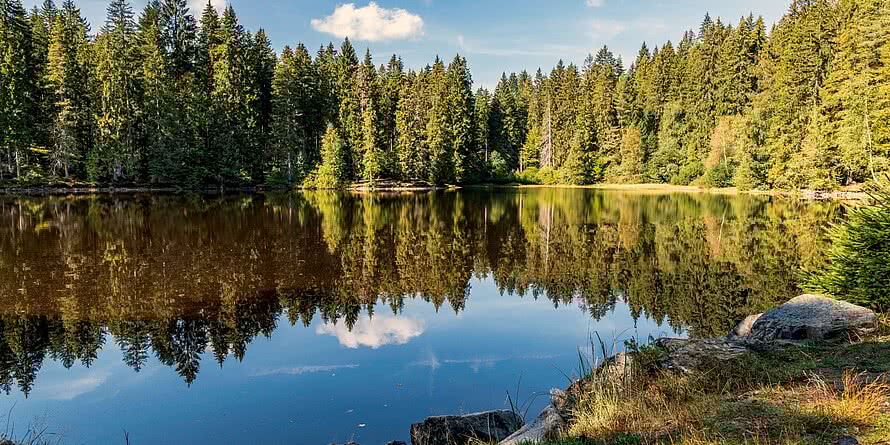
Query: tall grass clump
[
  {"x": 860, "y": 402},
  {"x": 860, "y": 255}
]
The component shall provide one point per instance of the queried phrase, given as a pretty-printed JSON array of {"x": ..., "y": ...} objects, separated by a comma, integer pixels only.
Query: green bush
[
  {"x": 528, "y": 176},
  {"x": 719, "y": 175},
  {"x": 324, "y": 177},
  {"x": 688, "y": 173},
  {"x": 860, "y": 256},
  {"x": 548, "y": 176}
]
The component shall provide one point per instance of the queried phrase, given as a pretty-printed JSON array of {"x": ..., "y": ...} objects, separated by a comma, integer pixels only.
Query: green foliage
[
  {"x": 860, "y": 256},
  {"x": 720, "y": 175},
  {"x": 332, "y": 172},
  {"x": 689, "y": 173}
]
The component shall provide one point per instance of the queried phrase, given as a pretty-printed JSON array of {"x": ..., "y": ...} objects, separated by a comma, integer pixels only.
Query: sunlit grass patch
[
  {"x": 860, "y": 401},
  {"x": 795, "y": 395}
]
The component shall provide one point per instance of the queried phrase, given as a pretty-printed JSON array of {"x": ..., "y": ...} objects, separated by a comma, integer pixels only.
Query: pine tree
[
  {"x": 17, "y": 106},
  {"x": 803, "y": 44},
  {"x": 41, "y": 22},
  {"x": 482, "y": 136},
  {"x": 230, "y": 147},
  {"x": 292, "y": 113},
  {"x": 411, "y": 121},
  {"x": 117, "y": 153},
  {"x": 349, "y": 109},
  {"x": 460, "y": 109},
  {"x": 257, "y": 71},
  {"x": 392, "y": 77},
  {"x": 854, "y": 107},
  {"x": 69, "y": 77},
  {"x": 372, "y": 153},
  {"x": 438, "y": 139},
  {"x": 157, "y": 124},
  {"x": 207, "y": 117},
  {"x": 179, "y": 42}
]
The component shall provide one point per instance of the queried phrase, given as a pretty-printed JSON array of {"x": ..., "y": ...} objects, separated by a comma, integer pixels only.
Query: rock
[
  {"x": 743, "y": 329},
  {"x": 559, "y": 398},
  {"x": 547, "y": 425},
  {"x": 491, "y": 426},
  {"x": 687, "y": 355},
  {"x": 813, "y": 317},
  {"x": 846, "y": 440}
]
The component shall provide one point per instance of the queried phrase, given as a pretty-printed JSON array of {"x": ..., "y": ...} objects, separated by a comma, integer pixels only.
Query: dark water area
[{"x": 319, "y": 317}]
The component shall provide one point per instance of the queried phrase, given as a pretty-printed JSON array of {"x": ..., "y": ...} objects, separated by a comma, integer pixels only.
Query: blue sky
[{"x": 494, "y": 35}]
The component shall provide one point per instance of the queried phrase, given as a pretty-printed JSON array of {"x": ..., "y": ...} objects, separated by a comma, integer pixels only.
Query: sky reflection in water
[{"x": 319, "y": 384}]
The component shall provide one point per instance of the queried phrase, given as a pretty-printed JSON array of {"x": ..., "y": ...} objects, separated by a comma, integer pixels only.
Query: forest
[{"x": 168, "y": 98}]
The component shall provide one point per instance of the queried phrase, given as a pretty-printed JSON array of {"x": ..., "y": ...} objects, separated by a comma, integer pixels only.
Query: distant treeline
[{"x": 168, "y": 98}]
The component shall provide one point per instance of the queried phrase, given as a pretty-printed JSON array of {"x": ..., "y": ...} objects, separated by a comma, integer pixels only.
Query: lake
[{"x": 321, "y": 317}]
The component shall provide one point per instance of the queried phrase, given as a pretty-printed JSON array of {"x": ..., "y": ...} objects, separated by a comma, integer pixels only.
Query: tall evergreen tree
[
  {"x": 17, "y": 88},
  {"x": 116, "y": 156}
]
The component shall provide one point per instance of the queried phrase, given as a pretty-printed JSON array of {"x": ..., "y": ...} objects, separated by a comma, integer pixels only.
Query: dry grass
[
  {"x": 860, "y": 401},
  {"x": 884, "y": 326},
  {"x": 784, "y": 399}
]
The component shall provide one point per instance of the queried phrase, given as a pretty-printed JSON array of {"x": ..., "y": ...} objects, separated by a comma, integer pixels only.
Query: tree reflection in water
[{"x": 176, "y": 276}]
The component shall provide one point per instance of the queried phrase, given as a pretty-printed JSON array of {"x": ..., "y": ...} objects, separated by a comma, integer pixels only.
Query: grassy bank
[{"x": 796, "y": 394}]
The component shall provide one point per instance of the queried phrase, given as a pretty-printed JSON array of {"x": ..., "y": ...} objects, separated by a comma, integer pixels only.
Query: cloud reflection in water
[{"x": 374, "y": 332}]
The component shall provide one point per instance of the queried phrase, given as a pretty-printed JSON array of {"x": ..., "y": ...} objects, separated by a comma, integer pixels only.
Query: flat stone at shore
[
  {"x": 688, "y": 355},
  {"x": 487, "y": 427}
]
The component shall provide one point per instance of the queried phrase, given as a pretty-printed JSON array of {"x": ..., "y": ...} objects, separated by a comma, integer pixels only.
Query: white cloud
[
  {"x": 605, "y": 29},
  {"x": 370, "y": 23},
  {"x": 196, "y": 7},
  {"x": 71, "y": 389},
  {"x": 512, "y": 49},
  {"x": 595, "y": 3},
  {"x": 477, "y": 363},
  {"x": 374, "y": 332},
  {"x": 297, "y": 370},
  {"x": 602, "y": 30}
]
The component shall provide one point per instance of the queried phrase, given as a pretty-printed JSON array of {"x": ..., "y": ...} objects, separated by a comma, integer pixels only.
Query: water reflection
[
  {"x": 374, "y": 332},
  {"x": 174, "y": 277}
]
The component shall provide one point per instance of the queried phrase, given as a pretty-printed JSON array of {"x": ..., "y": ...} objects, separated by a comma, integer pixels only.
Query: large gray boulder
[
  {"x": 810, "y": 317},
  {"x": 488, "y": 427}
]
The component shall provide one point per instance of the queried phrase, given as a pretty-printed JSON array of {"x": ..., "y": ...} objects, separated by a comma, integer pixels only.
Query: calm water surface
[{"x": 318, "y": 317}]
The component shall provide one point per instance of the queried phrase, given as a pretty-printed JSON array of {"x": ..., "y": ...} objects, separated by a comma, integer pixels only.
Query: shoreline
[
  {"x": 391, "y": 187},
  {"x": 764, "y": 382}
]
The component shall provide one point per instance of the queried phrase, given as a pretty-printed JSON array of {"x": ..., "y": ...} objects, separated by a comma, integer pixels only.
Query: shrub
[
  {"x": 688, "y": 173},
  {"x": 548, "y": 176},
  {"x": 322, "y": 178},
  {"x": 860, "y": 256},
  {"x": 719, "y": 175},
  {"x": 528, "y": 176}
]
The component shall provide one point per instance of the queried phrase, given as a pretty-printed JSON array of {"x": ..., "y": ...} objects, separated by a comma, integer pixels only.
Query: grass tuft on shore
[{"x": 798, "y": 394}]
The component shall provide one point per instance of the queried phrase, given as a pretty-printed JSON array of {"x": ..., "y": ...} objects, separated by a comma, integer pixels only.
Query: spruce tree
[
  {"x": 349, "y": 109},
  {"x": 372, "y": 153},
  {"x": 117, "y": 153},
  {"x": 854, "y": 108},
  {"x": 17, "y": 105},
  {"x": 460, "y": 108}
]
